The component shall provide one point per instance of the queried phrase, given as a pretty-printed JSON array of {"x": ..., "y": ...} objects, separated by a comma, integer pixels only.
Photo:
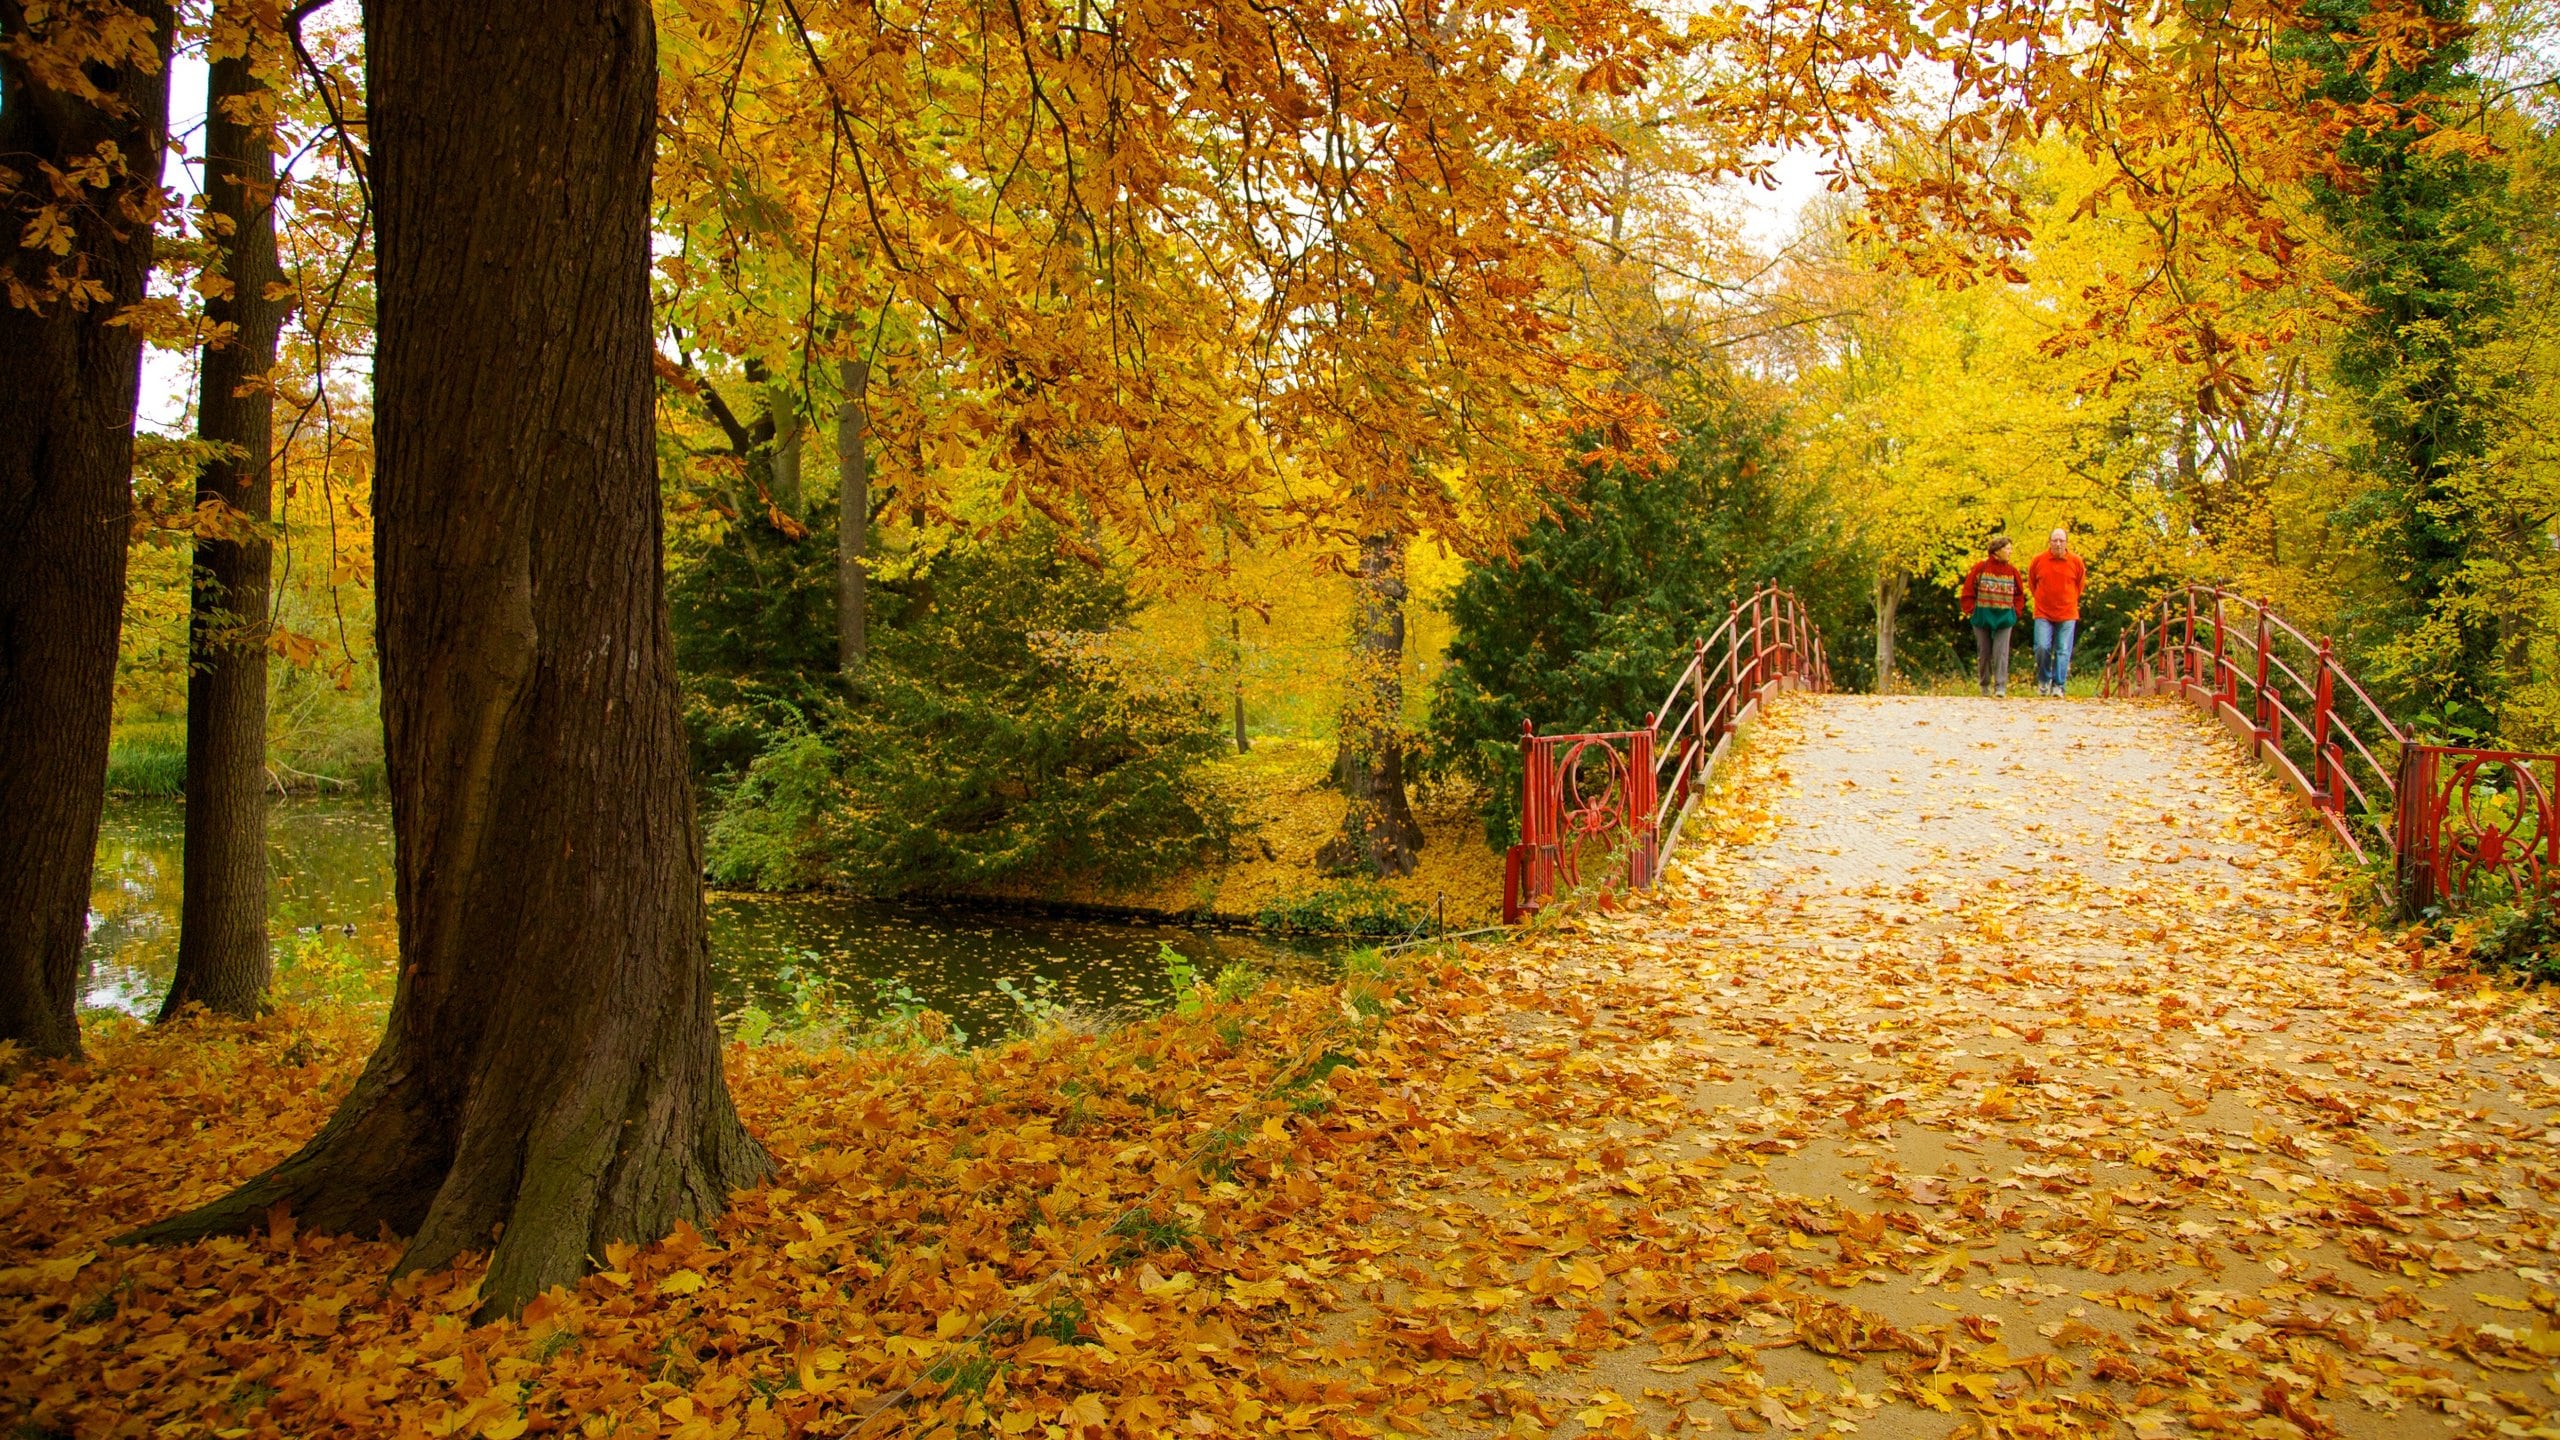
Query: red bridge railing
[
  {"x": 1609, "y": 804},
  {"x": 2457, "y": 822}
]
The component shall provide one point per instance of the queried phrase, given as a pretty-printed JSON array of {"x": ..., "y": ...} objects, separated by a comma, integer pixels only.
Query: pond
[{"x": 331, "y": 916}]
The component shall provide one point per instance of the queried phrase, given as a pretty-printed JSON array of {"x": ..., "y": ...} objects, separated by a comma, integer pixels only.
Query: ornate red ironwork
[
  {"x": 1618, "y": 797},
  {"x": 2475, "y": 824},
  {"x": 2455, "y": 820}
]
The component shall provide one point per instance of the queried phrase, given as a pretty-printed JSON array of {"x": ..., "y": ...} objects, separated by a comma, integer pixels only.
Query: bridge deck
[{"x": 2002, "y": 1030}]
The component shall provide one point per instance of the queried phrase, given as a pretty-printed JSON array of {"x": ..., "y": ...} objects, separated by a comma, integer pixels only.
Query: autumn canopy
[{"x": 877, "y": 447}]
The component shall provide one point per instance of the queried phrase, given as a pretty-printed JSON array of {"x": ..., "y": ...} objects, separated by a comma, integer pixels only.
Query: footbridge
[{"x": 2441, "y": 826}]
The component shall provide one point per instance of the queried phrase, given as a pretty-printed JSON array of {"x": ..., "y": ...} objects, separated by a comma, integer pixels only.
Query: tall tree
[
  {"x": 223, "y": 961},
  {"x": 2424, "y": 222},
  {"x": 551, "y": 1071},
  {"x": 1379, "y": 834},
  {"x": 853, "y": 517},
  {"x": 84, "y": 104}
]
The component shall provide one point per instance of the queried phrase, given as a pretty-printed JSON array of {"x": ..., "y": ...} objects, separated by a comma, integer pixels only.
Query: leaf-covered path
[{"x": 1985, "y": 1067}]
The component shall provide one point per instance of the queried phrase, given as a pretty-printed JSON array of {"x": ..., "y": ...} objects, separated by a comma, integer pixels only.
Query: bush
[
  {"x": 2523, "y": 939},
  {"x": 1003, "y": 733}
]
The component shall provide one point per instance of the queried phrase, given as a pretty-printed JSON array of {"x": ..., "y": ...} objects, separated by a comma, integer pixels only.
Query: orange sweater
[{"x": 2056, "y": 583}]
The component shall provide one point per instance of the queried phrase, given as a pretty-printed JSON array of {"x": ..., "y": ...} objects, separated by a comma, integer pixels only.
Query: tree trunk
[
  {"x": 1379, "y": 833},
  {"x": 68, "y": 379},
  {"x": 1235, "y": 642},
  {"x": 551, "y": 1072},
  {"x": 223, "y": 962},
  {"x": 1891, "y": 584},
  {"x": 853, "y": 517},
  {"x": 788, "y": 429}
]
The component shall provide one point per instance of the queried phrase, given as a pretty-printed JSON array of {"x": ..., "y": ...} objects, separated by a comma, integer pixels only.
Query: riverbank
[{"x": 1285, "y": 810}]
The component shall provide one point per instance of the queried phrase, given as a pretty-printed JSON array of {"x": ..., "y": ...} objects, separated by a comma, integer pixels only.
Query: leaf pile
[
  {"x": 1956, "y": 1099},
  {"x": 1068, "y": 1232}
]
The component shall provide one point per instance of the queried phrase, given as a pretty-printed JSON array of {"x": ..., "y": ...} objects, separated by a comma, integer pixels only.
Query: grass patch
[
  {"x": 1354, "y": 907},
  {"x": 147, "y": 765}
]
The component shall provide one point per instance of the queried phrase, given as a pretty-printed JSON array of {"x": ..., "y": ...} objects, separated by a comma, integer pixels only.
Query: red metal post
[
  {"x": 2226, "y": 682},
  {"x": 2323, "y": 789},
  {"x": 1642, "y": 798},
  {"x": 1731, "y": 705},
  {"x": 2187, "y": 652},
  {"x": 1759, "y": 645},
  {"x": 2414, "y": 829},
  {"x": 1693, "y": 772},
  {"x": 2265, "y": 707}
]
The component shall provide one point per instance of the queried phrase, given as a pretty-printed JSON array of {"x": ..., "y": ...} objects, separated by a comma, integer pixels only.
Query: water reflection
[{"x": 332, "y": 919}]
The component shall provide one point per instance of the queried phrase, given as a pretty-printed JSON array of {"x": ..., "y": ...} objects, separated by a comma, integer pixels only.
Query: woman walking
[{"x": 1992, "y": 597}]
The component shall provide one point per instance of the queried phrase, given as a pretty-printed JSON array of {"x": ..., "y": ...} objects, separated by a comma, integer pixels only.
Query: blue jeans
[{"x": 2053, "y": 651}]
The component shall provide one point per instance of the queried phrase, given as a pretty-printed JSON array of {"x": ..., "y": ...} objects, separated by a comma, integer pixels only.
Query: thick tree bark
[
  {"x": 223, "y": 961},
  {"x": 1891, "y": 584},
  {"x": 68, "y": 379},
  {"x": 1379, "y": 833},
  {"x": 853, "y": 517},
  {"x": 551, "y": 1073}
]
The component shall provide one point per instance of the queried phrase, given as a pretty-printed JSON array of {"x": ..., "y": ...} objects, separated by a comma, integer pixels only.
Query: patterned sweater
[{"x": 1993, "y": 595}]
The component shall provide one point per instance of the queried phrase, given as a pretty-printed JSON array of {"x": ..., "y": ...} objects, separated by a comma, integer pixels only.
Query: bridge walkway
[{"x": 1982, "y": 1067}]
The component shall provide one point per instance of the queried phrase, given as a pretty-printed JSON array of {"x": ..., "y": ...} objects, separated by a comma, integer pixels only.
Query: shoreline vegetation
[{"x": 1267, "y": 880}]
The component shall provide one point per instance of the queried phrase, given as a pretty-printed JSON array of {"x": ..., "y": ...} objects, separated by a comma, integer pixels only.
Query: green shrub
[
  {"x": 1354, "y": 907},
  {"x": 2522, "y": 938},
  {"x": 1002, "y": 734},
  {"x": 776, "y": 831}
]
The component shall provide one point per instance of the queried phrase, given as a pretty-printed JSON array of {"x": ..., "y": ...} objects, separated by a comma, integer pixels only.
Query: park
[{"x": 784, "y": 718}]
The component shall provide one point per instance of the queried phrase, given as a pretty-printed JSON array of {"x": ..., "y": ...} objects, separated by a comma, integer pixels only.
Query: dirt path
[{"x": 1991, "y": 1068}]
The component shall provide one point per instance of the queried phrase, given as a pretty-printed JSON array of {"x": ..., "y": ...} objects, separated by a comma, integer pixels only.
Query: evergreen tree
[
  {"x": 1597, "y": 608},
  {"x": 2425, "y": 226}
]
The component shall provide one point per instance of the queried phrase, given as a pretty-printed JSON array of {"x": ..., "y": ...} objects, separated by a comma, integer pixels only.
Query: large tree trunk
[
  {"x": 1891, "y": 585},
  {"x": 853, "y": 517},
  {"x": 68, "y": 378},
  {"x": 223, "y": 960},
  {"x": 551, "y": 1073},
  {"x": 1379, "y": 833}
]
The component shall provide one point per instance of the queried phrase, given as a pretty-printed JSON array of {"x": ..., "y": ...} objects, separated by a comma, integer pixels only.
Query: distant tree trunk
[
  {"x": 551, "y": 1072},
  {"x": 788, "y": 429},
  {"x": 68, "y": 380},
  {"x": 223, "y": 962},
  {"x": 1235, "y": 641},
  {"x": 1379, "y": 833},
  {"x": 1891, "y": 586},
  {"x": 853, "y": 517}
]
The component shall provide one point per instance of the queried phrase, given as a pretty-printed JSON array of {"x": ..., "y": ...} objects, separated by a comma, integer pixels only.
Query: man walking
[{"x": 2054, "y": 582}]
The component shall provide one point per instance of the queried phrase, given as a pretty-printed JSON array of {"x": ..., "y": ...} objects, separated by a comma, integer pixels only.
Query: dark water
[{"x": 333, "y": 927}]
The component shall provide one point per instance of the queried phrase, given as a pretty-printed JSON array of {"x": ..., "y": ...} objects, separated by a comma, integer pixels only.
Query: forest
[{"x": 1144, "y": 461}]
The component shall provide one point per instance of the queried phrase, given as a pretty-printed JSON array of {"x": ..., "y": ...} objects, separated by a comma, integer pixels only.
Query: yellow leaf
[{"x": 683, "y": 1282}]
